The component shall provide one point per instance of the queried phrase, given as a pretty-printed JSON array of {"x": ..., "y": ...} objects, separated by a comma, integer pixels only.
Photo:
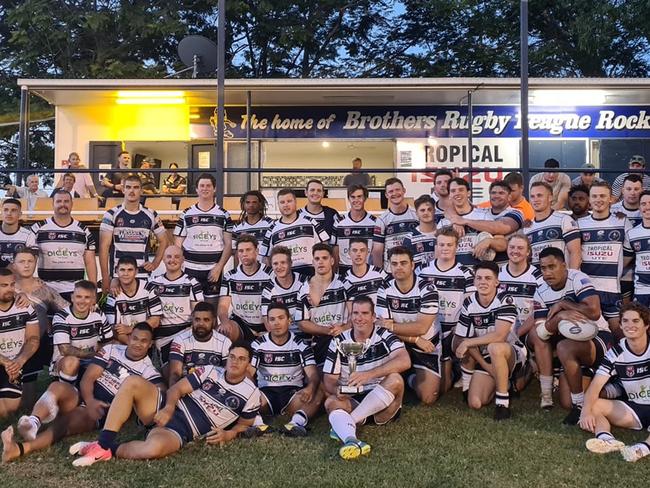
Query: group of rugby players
[{"x": 440, "y": 295}]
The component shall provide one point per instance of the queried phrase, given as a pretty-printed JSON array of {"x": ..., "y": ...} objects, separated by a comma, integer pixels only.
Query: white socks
[
  {"x": 49, "y": 401},
  {"x": 466, "y": 377},
  {"x": 299, "y": 418},
  {"x": 377, "y": 400},
  {"x": 578, "y": 399},
  {"x": 546, "y": 384},
  {"x": 343, "y": 424}
]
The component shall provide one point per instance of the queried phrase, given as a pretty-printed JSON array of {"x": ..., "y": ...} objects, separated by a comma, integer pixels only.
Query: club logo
[
  {"x": 195, "y": 220},
  {"x": 239, "y": 286},
  {"x": 553, "y": 234},
  {"x": 124, "y": 307},
  {"x": 51, "y": 235},
  {"x": 214, "y": 360},
  {"x": 586, "y": 236},
  {"x": 629, "y": 371},
  {"x": 119, "y": 222},
  {"x": 636, "y": 245},
  {"x": 347, "y": 232},
  {"x": 268, "y": 358},
  {"x": 281, "y": 234},
  {"x": 600, "y": 234},
  {"x": 419, "y": 247},
  {"x": 161, "y": 289},
  {"x": 74, "y": 331},
  {"x": 395, "y": 303},
  {"x": 614, "y": 235},
  {"x": 233, "y": 402},
  {"x": 478, "y": 320},
  {"x": 206, "y": 386}
]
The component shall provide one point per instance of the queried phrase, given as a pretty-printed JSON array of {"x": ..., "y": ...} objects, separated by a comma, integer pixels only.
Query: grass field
[{"x": 446, "y": 445}]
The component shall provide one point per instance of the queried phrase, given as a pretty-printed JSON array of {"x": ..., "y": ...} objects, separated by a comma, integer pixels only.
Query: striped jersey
[
  {"x": 634, "y": 216},
  {"x": 257, "y": 230},
  {"x": 632, "y": 370},
  {"x": 477, "y": 320},
  {"x": 216, "y": 403},
  {"x": 453, "y": 285},
  {"x": 13, "y": 322},
  {"x": 422, "y": 245},
  {"x": 639, "y": 238},
  {"x": 128, "y": 310},
  {"x": 82, "y": 333},
  {"x": 509, "y": 212},
  {"x": 380, "y": 346},
  {"x": 521, "y": 288},
  {"x": 281, "y": 364},
  {"x": 131, "y": 232},
  {"x": 274, "y": 292},
  {"x": 194, "y": 353},
  {"x": 556, "y": 230},
  {"x": 577, "y": 288},
  {"x": 299, "y": 236},
  {"x": 465, "y": 250},
  {"x": 61, "y": 252},
  {"x": 327, "y": 217},
  {"x": 331, "y": 309},
  {"x": 204, "y": 232},
  {"x": 604, "y": 243},
  {"x": 365, "y": 285},
  {"x": 9, "y": 243},
  {"x": 347, "y": 228},
  {"x": 176, "y": 297},
  {"x": 392, "y": 228},
  {"x": 245, "y": 291},
  {"x": 439, "y": 213},
  {"x": 117, "y": 367},
  {"x": 404, "y": 306}
]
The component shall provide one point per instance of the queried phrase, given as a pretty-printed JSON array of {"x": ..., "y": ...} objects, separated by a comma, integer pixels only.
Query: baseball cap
[
  {"x": 637, "y": 159},
  {"x": 588, "y": 166}
]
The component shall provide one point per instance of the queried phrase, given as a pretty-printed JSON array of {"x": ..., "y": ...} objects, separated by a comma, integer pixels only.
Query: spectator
[
  {"x": 587, "y": 177},
  {"x": 68, "y": 183},
  {"x": 147, "y": 178},
  {"x": 112, "y": 181},
  {"x": 83, "y": 184},
  {"x": 357, "y": 177},
  {"x": 636, "y": 163},
  {"x": 560, "y": 182},
  {"x": 30, "y": 192},
  {"x": 174, "y": 184}
]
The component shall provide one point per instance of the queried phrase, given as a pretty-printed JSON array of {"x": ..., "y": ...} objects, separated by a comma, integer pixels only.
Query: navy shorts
[
  {"x": 181, "y": 427},
  {"x": 445, "y": 343},
  {"x": 610, "y": 304},
  {"x": 521, "y": 354},
  {"x": 603, "y": 342},
  {"x": 10, "y": 389},
  {"x": 278, "y": 397},
  {"x": 424, "y": 360},
  {"x": 41, "y": 358},
  {"x": 627, "y": 289},
  {"x": 641, "y": 412},
  {"x": 643, "y": 300},
  {"x": 248, "y": 333},
  {"x": 211, "y": 289}
]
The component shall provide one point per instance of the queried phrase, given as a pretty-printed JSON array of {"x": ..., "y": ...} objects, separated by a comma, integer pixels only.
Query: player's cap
[
  {"x": 588, "y": 167},
  {"x": 637, "y": 159}
]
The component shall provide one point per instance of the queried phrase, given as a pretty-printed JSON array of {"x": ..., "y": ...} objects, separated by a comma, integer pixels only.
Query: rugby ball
[
  {"x": 583, "y": 330},
  {"x": 488, "y": 255}
]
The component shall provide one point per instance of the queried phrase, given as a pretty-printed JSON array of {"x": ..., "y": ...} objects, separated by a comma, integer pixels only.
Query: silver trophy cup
[{"x": 352, "y": 351}]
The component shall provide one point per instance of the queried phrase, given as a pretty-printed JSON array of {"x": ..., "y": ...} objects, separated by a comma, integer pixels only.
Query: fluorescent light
[
  {"x": 195, "y": 116},
  {"x": 431, "y": 141},
  {"x": 150, "y": 94},
  {"x": 325, "y": 144},
  {"x": 570, "y": 98},
  {"x": 150, "y": 101}
]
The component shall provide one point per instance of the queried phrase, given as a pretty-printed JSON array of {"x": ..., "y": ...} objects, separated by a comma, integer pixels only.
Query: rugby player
[
  {"x": 422, "y": 240},
  {"x": 315, "y": 210},
  {"x": 252, "y": 220},
  {"x": 579, "y": 201},
  {"x": 362, "y": 279},
  {"x": 284, "y": 286},
  {"x": 12, "y": 235},
  {"x": 639, "y": 238},
  {"x": 440, "y": 193}
]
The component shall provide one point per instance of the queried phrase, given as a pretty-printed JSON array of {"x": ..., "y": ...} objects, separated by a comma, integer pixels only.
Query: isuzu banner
[{"x": 422, "y": 122}]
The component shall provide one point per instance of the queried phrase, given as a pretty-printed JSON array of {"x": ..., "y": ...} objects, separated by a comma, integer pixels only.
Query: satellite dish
[{"x": 199, "y": 54}]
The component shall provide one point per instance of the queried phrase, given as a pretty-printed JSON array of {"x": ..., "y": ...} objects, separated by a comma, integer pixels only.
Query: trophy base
[{"x": 350, "y": 390}]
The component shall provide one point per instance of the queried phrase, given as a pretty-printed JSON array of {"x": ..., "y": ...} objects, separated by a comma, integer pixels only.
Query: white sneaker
[
  {"x": 28, "y": 427},
  {"x": 546, "y": 401},
  {"x": 632, "y": 453},
  {"x": 601, "y": 446}
]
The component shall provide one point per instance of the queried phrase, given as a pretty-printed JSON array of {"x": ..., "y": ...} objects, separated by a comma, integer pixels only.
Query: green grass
[{"x": 446, "y": 445}]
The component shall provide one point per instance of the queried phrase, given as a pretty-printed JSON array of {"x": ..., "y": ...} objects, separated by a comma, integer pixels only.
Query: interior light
[
  {"x": 325, "y": 144},
  {"x": 432, "y": 142},
  {"x": 195, "y": 116},
  {"x": 150, "y": 94},
  {"x": 568, "y": 97},
  {"x": 150, "y": 101}
]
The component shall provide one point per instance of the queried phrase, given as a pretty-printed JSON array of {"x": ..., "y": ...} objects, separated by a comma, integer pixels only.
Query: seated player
[
  {"x": 286, "y": 375},
  {"x": 240, "y": 301},
  {"x": 178, "y": 293},
  {"x": 284, "y": 286},
  {"x": 407, "y": 307},
  {"x": 73, "y": 411},
  {"x": 628, "y": 362},
  {"x": 19, "y": 334},
  {"x": 378, "y": 374},
  {"x": 565, "y": 294},
  {"x": 133, "y": 304},
  {"x": 362, "y": 279},
  {"x": 199, "y": 346},
  {"x": 485, "y": 340},
  {"x": 78, "y": 333},
  {"x": 212, "y": 403}
]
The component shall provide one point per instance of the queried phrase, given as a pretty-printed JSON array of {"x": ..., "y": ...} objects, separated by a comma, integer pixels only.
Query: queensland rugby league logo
[
  {"x": 268, "y": 358},
  {"x": 239, "y": 286},
  {"x": 629, "y": 371},
  {"x": 395, "y": 303}
]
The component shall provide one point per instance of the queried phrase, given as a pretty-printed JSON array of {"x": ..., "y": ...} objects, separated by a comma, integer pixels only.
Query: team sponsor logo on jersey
[
  {"x": 614, "y": 235},
  {"x": 553, "y": 234},
  {"x": 233, "y": 402},
  {"x": 119, "y": 222}
]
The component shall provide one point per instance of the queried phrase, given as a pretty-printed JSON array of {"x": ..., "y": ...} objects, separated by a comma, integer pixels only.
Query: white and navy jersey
[
  {"x": 257, "y": 230},
  {"x": 632, "y": 370},
  {"x": 327, "y": 217},
  {"x": 215, "y": 403},
  {"x": 366, "y": 285},
  {"x": 404, "y": 306},
  {"x": 273, "y": 292},
  {"x": 194, "y": 353},
  {"x": 204, "y": 232},
  {"x": 131, "y": 231},
  {"x": 477, "y": 320},
  {"x": 117, "y": 368},
  {"x": 639, "y": 238},
  {"x": 556, "y": 230},
  {"x": 422, "y": 245},
  {"x": 347, "y": 228},
  {"x": 521, "y": 288},
  {"x": 465, "y": 250},
  {"x": 453, "y": 285},
  {"x": 380, "y": 346},
  {"x": 392, "y": 228},
  {"x": 281, "y": 364},
  {"x": 299, "y": 236},
  {"x": 82, "y": 333},
  {"x": 633, "y": 215},
  {"x": 245, "y": 291},
  {"x": 10, "y": 243},
  {"x": 511, "y": 213},
  {"x": 128, "y": 310},
  {"x": 13, "y": 322},
  {"x": 604, "y": 243},
  {"x": 439, "y": 213},
  {"x": 331, "y": 309},
  {"x": 61, "y": 252},
  {"x": 176, "y": 297},
  {"x": 577, "y": 288}
]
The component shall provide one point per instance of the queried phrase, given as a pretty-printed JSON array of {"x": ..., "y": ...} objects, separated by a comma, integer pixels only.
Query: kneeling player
[
  {"x": 485, "y": 338},
  {"x": 112, "y": 367},
  {"x": 286, "y": 375},
  {"x": 378, "y": 374},
  {"x": 628, "y": 361},
  {"x": 210, "y": 403}
]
